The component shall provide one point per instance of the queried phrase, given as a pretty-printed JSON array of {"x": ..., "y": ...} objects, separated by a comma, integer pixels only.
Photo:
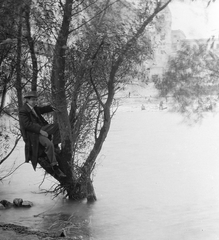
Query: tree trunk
[
  {"x": 58, "y": 79},
  {"x": 31, "y": 47},
  {"x": 3, "y": 95},
  {"x": 59, "y": 97},
  {"x": 18, "y": 66}
]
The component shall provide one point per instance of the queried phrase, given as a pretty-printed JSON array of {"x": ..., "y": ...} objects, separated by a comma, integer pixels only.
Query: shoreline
[{"x": 18, "y": 232}]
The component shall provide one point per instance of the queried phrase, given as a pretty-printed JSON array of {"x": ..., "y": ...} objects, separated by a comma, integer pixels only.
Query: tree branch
[
  {"x": 139, "y": 32},
  {"x": 15, "y": 144},
  {"x": 84, "y": 23},
  {"x": 91, "y": 79}
]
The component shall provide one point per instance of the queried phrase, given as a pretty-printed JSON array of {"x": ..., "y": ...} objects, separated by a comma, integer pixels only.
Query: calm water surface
[{"x": 156, "y": 179}]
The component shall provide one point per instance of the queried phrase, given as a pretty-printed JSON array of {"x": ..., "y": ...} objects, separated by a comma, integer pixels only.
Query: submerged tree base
[
  {"x": 91, "y": 196},
  {"x": 75, "y": 190}
]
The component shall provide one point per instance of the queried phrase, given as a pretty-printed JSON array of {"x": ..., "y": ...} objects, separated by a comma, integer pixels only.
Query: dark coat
[{"x": 30, "y": 129}]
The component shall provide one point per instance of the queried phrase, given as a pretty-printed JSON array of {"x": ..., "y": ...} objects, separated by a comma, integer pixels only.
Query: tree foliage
[{"x": 191, "y": 80}]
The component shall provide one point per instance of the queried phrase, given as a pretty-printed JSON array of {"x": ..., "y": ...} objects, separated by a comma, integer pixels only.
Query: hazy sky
[{"x": 195, "y": 19}]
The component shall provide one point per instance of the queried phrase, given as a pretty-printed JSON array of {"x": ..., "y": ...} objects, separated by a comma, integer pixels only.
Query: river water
[{"x": 156, "y": 179}]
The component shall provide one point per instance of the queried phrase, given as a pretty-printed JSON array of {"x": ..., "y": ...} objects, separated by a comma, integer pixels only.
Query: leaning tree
[{"x": 89, "y": 50}]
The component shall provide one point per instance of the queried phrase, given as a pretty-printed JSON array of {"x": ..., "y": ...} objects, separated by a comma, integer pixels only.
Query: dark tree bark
[
  {"x": 58, "y": 92},
  {"x": 31, "y": 47},
  {"x": 19, "y": 52},
  {"x": 3, "y": 95}
]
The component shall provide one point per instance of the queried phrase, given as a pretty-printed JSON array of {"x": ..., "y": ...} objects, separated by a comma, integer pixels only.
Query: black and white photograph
[{"x": 109, "y": 119}]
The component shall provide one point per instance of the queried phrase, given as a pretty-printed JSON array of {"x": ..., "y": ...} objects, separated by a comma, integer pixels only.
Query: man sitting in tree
[{"x": 37, "y": 132}]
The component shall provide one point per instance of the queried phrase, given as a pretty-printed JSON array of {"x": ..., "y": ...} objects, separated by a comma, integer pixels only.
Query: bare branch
[
  {"x": 10, "y": 173},
  {"x": 15, "y": 144},
  {"x": 91, "y": 79},
  {"x": 85, "y": 22}
]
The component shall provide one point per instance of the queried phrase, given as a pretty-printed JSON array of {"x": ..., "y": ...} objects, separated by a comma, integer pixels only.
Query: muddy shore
[{"x": 16, "y": 232}]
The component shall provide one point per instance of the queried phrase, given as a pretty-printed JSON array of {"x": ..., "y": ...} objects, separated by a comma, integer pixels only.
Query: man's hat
[{"x": 30, "y": 94}]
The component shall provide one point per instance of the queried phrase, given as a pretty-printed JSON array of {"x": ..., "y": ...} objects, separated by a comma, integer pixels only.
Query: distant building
[
  {"x": 162, "y": 47},
  {"x": 178, "y": 39}
]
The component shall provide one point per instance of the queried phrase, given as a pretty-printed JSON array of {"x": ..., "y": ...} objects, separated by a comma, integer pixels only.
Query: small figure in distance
[{"x": 161, "y": 105}]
